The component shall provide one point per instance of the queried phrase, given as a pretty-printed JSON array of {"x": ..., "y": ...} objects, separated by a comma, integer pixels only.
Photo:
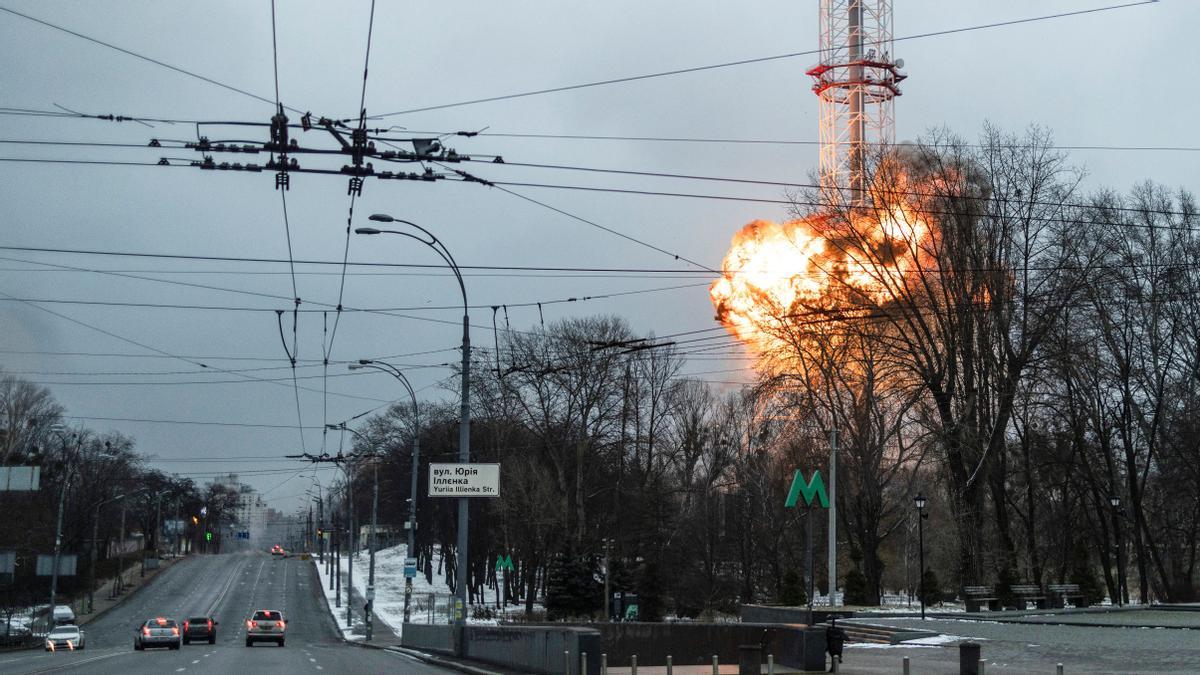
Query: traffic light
[
  {"x": 208, "y": 536},
  {"x": 195, "y": 520}
]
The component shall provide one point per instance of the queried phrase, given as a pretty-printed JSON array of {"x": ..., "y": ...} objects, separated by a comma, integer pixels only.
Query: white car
[
  {"x": 266, "y": 625},
  {"x": 65, "y": 637},
  {"x": 63, "y": 614}
]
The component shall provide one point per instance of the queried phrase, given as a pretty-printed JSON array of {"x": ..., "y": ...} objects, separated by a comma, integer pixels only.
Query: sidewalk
[
  {"x": 134, "y": 582},
  {"x": 384, "y": 637}
]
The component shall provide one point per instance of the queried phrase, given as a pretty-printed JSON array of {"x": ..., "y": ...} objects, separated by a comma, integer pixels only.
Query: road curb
[
  {"x": 86, "y": 619},
  {"x": 431, "y": 659},
  {"x": 412, "y": 653}
]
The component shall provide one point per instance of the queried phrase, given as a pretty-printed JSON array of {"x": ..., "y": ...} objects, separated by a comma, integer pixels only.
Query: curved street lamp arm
[{"x": 436, "y": 244}]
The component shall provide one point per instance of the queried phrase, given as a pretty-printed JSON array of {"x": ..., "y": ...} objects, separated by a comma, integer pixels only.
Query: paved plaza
[{"x": 1116, "y": 642}]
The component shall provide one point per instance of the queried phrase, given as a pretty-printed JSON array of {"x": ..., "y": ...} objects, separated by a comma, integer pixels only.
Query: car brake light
[
  {"x": 251, "y": 624},
  {"x": 185, "y": 625},
  {"x": 174, "y": 630},
  {"x": 145, "y": 630},
  {"x": 279, "y": 624},
  {"x": 210, "y": 624}
]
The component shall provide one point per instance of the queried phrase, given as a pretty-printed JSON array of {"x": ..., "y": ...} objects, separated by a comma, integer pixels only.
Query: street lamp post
[
  {"x": 919, "y": 500},
  {"x": 95, "y": 542},
  {"x": 464, "y": 427},
  {"x": 62, "y": 498},
  {"x": 371, "y": 544},
  {"x": 1115, "y": 501},
  {"x": 416, "y": 463}
]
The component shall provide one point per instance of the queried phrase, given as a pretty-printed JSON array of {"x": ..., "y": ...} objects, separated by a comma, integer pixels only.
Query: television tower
[{"x": 856, "y": 81}]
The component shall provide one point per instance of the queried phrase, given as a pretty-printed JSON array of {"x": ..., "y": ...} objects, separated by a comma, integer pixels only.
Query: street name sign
[
  {"x": 464, "y": 480},
  {"x": 66, "y": 565},
  {"x": 20, "y": 478},
  {"x": 410, "y": 567}
]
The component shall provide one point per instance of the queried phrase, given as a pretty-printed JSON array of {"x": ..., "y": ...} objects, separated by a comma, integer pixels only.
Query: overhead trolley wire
[
  {"x": 761, "y": 59},
  {"x": 327, "y": 347},
  {"x": 143, "y": 57}
]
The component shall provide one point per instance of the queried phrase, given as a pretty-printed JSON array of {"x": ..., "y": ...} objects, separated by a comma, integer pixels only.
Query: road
[{"x": 228, "y": 587}]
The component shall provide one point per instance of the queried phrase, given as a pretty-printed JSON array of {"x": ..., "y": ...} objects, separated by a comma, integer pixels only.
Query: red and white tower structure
[{"x": 857, "y": 79}]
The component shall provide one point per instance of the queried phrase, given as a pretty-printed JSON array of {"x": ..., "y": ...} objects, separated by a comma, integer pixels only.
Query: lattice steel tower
[{"x": 856, "y": 80}]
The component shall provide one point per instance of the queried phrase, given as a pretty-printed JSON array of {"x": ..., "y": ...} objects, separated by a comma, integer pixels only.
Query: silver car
[
  {"x": 64, "y": 637},
  {"x": 266, "y": 625},
  {"x": 157, "y": 632}
]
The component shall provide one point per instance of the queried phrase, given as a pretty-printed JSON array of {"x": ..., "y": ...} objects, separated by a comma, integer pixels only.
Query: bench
[
  {"x": 1027, "y": 592},
  {"x": 1059, "y": 593},
  {"x": 973, "y": 595}
]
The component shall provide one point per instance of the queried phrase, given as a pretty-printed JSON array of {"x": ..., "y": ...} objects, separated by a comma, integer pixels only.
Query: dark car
[
  {"x": 200, "y": 628},
  {"x": 158, "y": 632}
]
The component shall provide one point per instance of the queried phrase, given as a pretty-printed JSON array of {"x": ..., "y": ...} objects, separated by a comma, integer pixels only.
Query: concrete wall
[
  {"x": 769, "y": 614},
  {"x": 438, "y": 638},
  {"x": 696, "y": 643},
  {"x": 532, "y": 649}
]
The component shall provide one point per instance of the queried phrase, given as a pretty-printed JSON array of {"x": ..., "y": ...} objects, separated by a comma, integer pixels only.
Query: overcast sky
[{"x": 1113, "y": 78}]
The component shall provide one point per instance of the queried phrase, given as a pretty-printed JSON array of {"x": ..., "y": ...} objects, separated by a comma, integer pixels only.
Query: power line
[
  {"x": 610, "y": 230},
  {"x": 143, "y": 420},
  {"x": 374, "y": 310},
  {"x": 143, "y": 57},
  {"x": 211, "y": 358},
  {"x": 742, "y": 62},
  {"x": 773, "y": 141},
  {"x": 423, "y": 266}
]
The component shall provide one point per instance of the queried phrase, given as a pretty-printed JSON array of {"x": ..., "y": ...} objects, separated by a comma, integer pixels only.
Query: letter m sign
[{"x": 810, "y": 489}]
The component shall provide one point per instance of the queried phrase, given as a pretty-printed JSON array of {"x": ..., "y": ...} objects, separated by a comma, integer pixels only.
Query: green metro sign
[
  {"x": 503, "y": 563},
  {"x": 809, "y": 489}
]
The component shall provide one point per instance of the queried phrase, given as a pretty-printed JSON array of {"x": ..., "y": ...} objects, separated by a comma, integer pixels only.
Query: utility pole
[
  {"x": 833, "y": 448},
  {"x": 62, "y": 498},
  {"x": 350, "y": 553},
  {"x": 607, "y": 592},
  {"x": 372, "y": 545},
  {"x": 337, "y": 556},
  {"x": 808, "y": 560},
  {"x": 178, "y": 527},
  {"x": 119, "y": 586}
]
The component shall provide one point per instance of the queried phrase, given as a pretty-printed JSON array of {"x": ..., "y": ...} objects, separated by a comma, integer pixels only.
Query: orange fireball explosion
[{"x": 789, "y": 270}]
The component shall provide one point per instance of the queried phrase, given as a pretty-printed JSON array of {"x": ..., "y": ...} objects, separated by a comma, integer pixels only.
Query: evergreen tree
[
  {"x": 1084, "y": 576},
  {"x": 571, "y": 586},
  {"x": 1004, "y": 583},
  {"x": 791, "y": 589},
  {"x": 649, "y": 592},
  {"x": 856, "y": 588},
  {"x": 931, "y": 590}
]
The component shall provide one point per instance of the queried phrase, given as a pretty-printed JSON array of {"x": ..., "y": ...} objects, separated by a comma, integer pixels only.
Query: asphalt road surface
[{"x": 229, "y": 587}]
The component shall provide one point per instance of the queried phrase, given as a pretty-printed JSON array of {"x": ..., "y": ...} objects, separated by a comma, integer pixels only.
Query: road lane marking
[
  {"x": 312, "y": 659},
  {"x": 180, "y": 670},
  {"x": 196, "y": 661}
]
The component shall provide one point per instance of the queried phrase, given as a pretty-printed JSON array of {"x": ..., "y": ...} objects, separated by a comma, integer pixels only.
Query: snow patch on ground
[
  {"x": 430, "y": 602},
  {"x": 935, "y": 641}
]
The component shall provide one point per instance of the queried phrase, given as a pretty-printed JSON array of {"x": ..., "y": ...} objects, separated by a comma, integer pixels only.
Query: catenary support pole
[{"x": 833, "y": 448}]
